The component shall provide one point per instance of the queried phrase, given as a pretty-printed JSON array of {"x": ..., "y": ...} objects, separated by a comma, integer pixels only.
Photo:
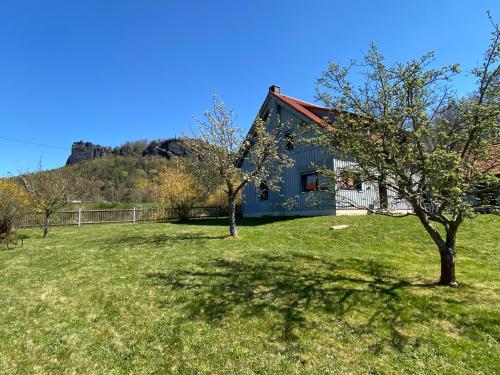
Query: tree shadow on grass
[
  {"x": 363, "y": 296},
  {"x": 161, "y": 239},
  {"x": 242, "y": 222}
]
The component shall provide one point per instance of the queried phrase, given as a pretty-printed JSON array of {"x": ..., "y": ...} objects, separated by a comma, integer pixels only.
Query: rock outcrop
[
  {"x": 81, "y": 151},
  {"x": 166, "y": 148}
]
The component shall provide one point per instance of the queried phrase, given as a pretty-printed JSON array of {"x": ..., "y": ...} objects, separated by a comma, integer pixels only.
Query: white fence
[{"x": 132, "y": 215}]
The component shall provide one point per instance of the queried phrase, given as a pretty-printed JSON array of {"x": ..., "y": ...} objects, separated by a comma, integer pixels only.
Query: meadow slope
[{"x": 289, "y": 296}]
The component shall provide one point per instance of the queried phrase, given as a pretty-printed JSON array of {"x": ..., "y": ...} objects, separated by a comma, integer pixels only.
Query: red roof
[
  {"x": 317, "y": 114},
  {"x": 309, "y": 110}
]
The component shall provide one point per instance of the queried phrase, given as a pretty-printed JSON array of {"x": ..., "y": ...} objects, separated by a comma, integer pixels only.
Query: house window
[
  {"x": 289, "y": 141},
  {"x": 352, "y": 182},
  {"x": 266, "y": 116},
  {"x": 313, "y": 181},
  {"x": 263, "y": 191},
  {"x": 309, "y": 182}
]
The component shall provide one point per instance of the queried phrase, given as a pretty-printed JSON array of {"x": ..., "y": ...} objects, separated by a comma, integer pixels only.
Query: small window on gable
[
  {"x": 263, "y": 191},
  {"x": 266, "y": 116},
  {"x": 289, "y": 141}
]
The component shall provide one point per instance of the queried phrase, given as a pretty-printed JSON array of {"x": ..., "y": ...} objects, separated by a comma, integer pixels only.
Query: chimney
[{"x": 275, "y": 89}]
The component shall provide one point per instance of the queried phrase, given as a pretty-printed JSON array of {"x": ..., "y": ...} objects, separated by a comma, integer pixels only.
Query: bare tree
[
  {"x": 223, "y": 146},
  {"x": 49, "y": 192}
]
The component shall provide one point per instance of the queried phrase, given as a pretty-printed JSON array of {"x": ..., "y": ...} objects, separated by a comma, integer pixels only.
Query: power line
[{"x": 34, "y": 143}]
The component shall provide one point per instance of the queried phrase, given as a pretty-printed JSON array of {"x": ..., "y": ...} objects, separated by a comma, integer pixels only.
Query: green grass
[{"x": 289, "y": 296}]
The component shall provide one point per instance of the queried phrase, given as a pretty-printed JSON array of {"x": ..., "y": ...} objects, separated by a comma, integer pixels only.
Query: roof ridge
[
  {"x": 298, "y": 106},
  {"x": 304, "y": 102}
]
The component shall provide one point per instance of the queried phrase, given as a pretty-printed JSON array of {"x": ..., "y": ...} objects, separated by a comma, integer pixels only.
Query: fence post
[
  {"x": 216, "y": 212},
  {"x": 133, "y": 215},
  {"x": 79, "y": 216}
]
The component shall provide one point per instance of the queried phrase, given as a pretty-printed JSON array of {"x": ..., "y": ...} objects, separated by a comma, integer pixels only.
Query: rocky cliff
[
  {"x": 167, "y": 148},
  {"x": 81, "y": 151}
]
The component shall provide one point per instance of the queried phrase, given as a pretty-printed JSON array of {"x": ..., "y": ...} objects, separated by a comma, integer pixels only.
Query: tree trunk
[
  {"x": 46, "y": 227},
  {"x": 233, "y": 232},
  {"x": 447, "y": 255},
  {"x": 447, "y": 248},
  {"x": 382, "y": 194},
  {"x": 183, "y": 212}
]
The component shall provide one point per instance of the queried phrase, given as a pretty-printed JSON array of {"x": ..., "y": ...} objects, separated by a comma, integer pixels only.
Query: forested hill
[
  {"x": 81, "y": 151},
  {"x": 119, "y": 174},
  {"x": 116, "y": 178}
]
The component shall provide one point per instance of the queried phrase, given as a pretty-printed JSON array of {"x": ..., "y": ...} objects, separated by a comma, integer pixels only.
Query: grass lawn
[{"x": 289, "y": 296}]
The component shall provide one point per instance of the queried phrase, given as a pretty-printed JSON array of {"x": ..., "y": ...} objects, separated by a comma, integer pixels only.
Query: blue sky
[{"x": 115, "y": 71}]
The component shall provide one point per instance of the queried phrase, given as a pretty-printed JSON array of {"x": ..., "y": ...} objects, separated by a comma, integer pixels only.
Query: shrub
[
  {"x": 219, "y": 198},
  {"x": 13, "y": 205},
  {"x": 181, "y": 187},
  {"x": 49, "y": 192}
]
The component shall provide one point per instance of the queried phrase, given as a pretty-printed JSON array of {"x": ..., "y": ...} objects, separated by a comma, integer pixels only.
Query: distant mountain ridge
[{"x": 82, "y": 151}]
